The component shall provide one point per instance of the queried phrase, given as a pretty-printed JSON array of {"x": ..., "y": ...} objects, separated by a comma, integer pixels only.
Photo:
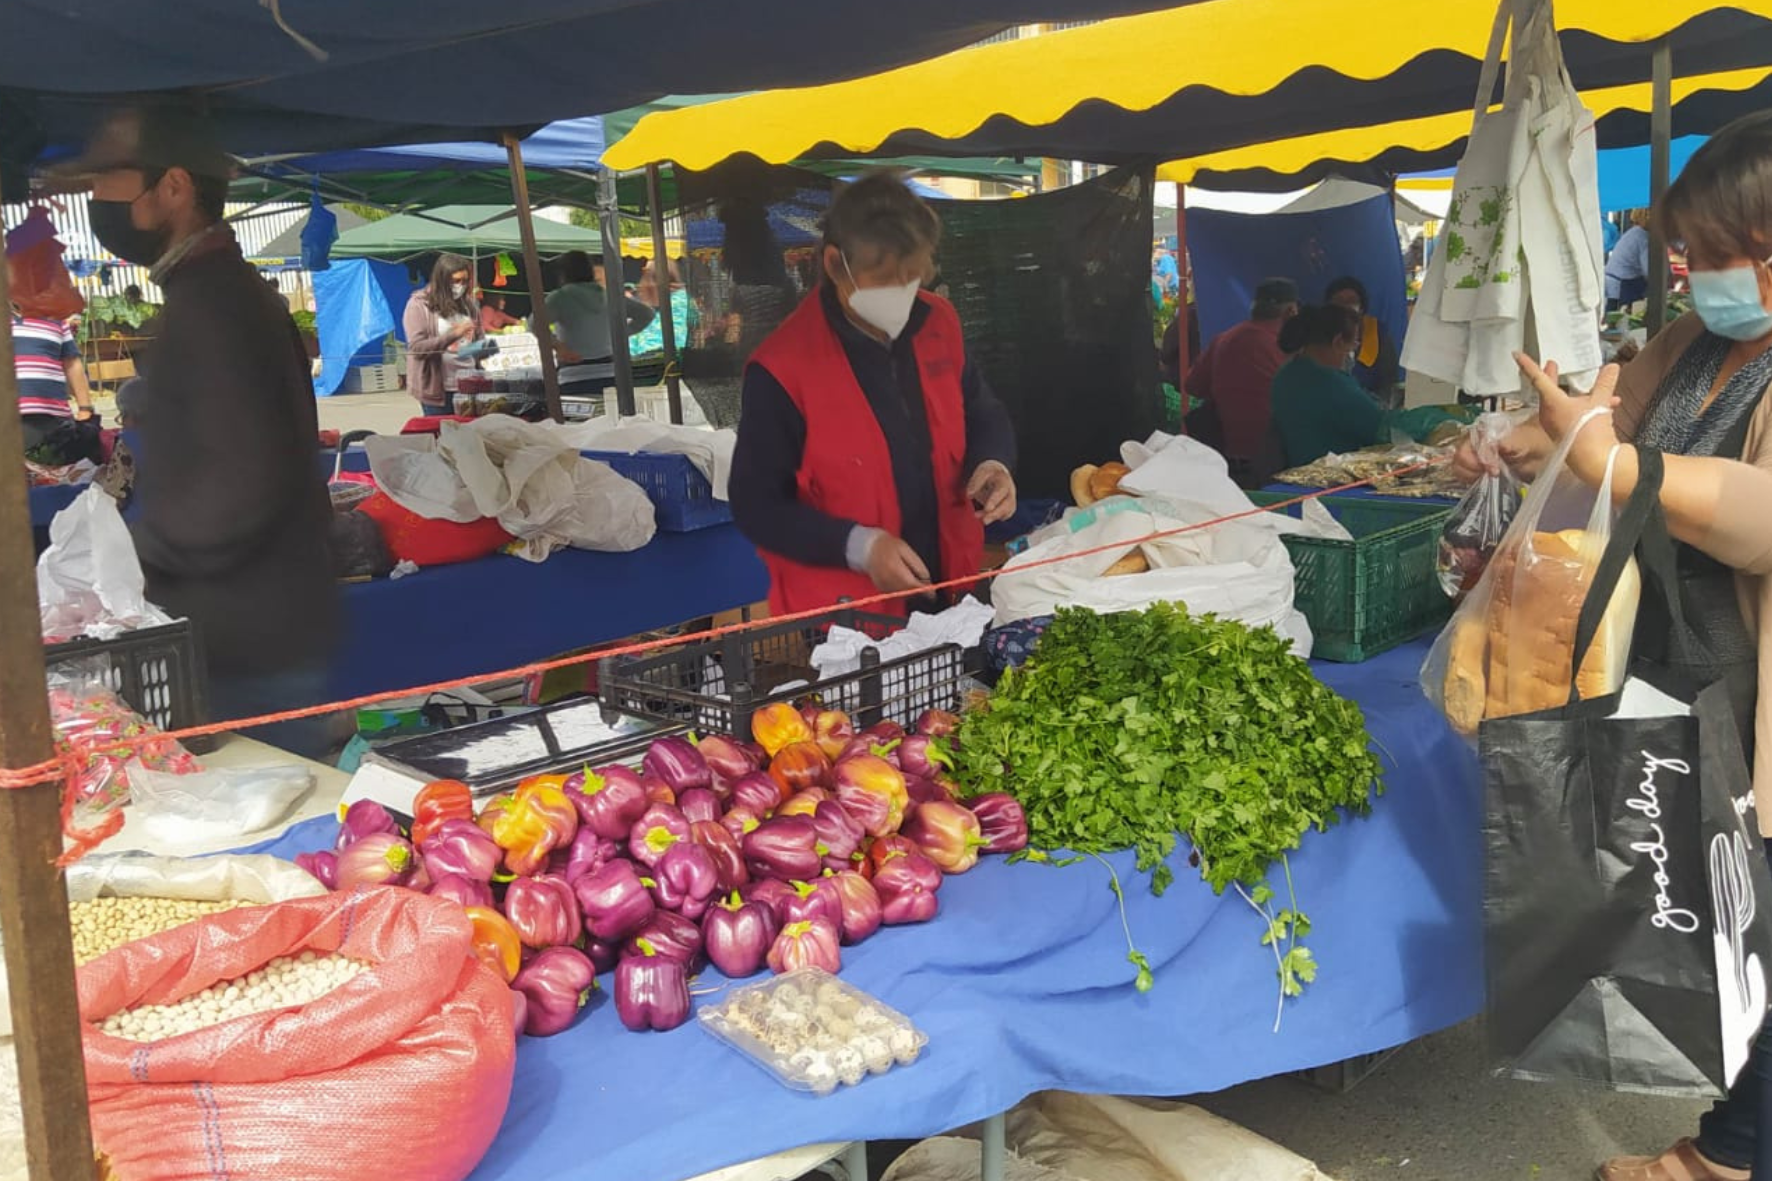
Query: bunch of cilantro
[{"x": 1125, "y": 730}]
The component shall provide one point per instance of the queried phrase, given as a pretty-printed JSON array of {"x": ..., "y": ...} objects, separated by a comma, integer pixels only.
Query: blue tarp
[
  {"x": 1232, "y": 252},
  {"x": 1021, "y": 983},
  {"x": 1624, "y": 173},
  {"x": 357, "y": 301}
]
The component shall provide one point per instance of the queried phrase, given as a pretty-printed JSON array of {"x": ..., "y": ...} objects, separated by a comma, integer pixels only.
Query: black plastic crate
[
  {"x": 713, "y": 687},
  {"x": 157, "y": 671}
]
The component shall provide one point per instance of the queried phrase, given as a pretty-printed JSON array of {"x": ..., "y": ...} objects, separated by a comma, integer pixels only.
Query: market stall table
[
  {"x": 1291, "y": 490},
  {"x": 1022, "y": 984},
  {"x": 499, "y": 612}
]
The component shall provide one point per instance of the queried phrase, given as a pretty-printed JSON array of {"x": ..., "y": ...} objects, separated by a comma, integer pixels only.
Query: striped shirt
[{"x": 41, "y": 351}]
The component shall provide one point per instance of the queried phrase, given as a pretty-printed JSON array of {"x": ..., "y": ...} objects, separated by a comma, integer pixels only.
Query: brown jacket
[{"x": 1740, "y": 531}]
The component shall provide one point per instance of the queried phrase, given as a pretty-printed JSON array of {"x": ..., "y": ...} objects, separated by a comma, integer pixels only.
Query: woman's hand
[{"x": 1559, "y": 413}]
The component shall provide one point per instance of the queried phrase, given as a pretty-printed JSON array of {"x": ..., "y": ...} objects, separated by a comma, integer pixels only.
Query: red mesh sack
[
  {"x": 41, "y": 285},
  {"x": 429, "y": 542},
  {"x": 404, "y": 1071}
]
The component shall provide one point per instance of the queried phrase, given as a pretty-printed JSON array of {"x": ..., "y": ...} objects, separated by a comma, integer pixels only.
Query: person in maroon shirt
[{"x": 1234, "y": 376}]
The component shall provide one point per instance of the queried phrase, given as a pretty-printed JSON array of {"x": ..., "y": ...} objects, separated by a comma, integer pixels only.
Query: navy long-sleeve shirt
[{"x": 772, "y": 439}]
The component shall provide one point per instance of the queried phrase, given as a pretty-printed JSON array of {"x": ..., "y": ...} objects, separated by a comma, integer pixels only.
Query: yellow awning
[
  {"x": 1355, "y": 145},
  {"x": 1237, "y": 47},
  {"x": 642, "y": 247}
]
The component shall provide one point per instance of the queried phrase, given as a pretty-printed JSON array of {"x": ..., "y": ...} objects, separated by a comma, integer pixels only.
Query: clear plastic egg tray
[{"x": 813, "y": 1031}]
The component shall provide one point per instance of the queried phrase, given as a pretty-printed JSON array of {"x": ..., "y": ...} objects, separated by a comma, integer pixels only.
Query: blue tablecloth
[
  {"x": 500, "y": 612},
  {"x": 1022, "y": 984},
  {"x": 46, "y": 502}
]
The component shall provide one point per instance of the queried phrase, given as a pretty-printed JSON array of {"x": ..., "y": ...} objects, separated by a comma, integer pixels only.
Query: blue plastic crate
[{"x": 681, "y": 495}]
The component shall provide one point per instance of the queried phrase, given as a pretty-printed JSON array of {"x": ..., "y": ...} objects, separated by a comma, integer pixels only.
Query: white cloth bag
[{"x": 1518, "y": 264}]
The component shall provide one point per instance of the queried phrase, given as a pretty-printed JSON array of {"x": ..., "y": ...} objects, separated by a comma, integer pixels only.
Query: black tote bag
[{"x": 1627, "y": 904}]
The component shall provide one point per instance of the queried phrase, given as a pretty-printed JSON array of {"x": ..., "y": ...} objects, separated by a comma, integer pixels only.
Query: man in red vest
[{"x": 870, "y": 453}]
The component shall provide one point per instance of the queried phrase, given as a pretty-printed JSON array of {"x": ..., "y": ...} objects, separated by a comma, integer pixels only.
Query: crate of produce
[
  {"x": 714, "y": 686},
  {"x": 157, "y": 671},
  {"x": 1368, "y": 595},
  {"x": 681, "y": 494}
]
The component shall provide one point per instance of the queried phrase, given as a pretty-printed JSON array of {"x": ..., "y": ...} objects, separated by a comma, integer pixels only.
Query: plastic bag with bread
[
  {"x": 1091, "y": 483},
  {"x": 1510, "y": 646}
]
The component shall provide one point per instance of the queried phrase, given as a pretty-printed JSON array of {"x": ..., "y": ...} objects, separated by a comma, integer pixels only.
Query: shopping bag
[
  {"x": 1627, "y": 913},
  {"x": 1508, "y": 648},
  {"x": 1477, "y": 525}
]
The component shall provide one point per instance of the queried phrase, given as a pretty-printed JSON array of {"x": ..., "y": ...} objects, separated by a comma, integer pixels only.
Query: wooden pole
[
  {"x": 33, "y": 902},
  {"x": 544, "y": 332},
  {"x": 616, "y": 294},
  {"x": 661, "y": 267},
  {"x": 1661, "y": 127}
]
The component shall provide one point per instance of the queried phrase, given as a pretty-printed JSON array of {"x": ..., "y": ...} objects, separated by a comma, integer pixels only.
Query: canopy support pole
[
  {"x": 33, "y": 901},
  {"x": 1186, "y": 276},
  {"x": 544, "y": 332},
  {"x": 661, "y": 269},
  {"x": 615, "y": 293},
  {"x": 1661, "y": 127}
]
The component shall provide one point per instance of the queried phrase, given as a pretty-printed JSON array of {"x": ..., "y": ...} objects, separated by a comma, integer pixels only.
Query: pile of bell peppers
[{"x": 774, "y": 853}]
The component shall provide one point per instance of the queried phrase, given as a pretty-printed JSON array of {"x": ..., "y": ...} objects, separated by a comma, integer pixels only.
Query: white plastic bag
[
  {"x": 1236, "y": 570},
  {"x": 89, "y": 581},
  {"x": 194, "y": 811},
  {"x": 1509, "y": 646}
]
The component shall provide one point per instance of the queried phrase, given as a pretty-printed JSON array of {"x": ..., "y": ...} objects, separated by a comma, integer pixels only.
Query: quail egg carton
[{"x": 813, "y": 1031}]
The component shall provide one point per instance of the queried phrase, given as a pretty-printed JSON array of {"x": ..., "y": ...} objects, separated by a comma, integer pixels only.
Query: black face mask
[{"x": 121, "y": 236}]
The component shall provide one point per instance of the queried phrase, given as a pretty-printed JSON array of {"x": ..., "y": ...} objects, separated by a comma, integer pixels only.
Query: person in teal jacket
[{"x": 1318, "y": 407}]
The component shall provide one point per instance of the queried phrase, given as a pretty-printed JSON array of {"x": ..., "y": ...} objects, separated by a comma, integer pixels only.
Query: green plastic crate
[{"x": 1368, "y": 595}]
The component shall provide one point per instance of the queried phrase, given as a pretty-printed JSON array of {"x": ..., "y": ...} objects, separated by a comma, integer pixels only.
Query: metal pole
[
  {"x": 33, "y": 902},
  {"x": 615, "y": 294},
  {"x": 544, "y": 332},
  {"x": 1661, "y": 127},
  {"x": 1187, "y": 274},
  {"x": 993, "y": 1149},
  {"x": 661, "y": 268}
]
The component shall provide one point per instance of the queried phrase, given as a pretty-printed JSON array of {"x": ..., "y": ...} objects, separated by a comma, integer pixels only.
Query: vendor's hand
[
  {"x": 84, "y": 414},
  {"x": 992, "y": 491},
  {"x": 1559, "y": 412},
  {"x": 894, "y": 565}
]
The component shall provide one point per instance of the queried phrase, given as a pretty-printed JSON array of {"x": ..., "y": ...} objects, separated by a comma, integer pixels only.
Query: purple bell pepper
[
  {"x": 812, "y": 943},
  {"x": 614, "y": 900},
  {"x": 322, "y": 865},
  {"x": 907, "y": 885},
  {"x": 608, "y": 800},
  {"x": 544, "y": 911},
  {"x": 651, "y": 991},
  {"x": 817, "y": 899},
  {"x": 588, "y": 854},
  {"x": 365, "y": 818},
  {"x": 519, "y": 1011},
  {"x": 1002, "y": 822},
  {"x": 757, "y": 793},
  {"x": 557, "y": 983},
  {"x": 937, "y": 723},
  {"x": 670, "y": 935},
  {"x": 722, "y": 847},
  {"x": 785, "y": 847},
  {"x": 462, "y": 891},
  {"x": 922, "y": 755},
  {"x": 922, "y": 790},
  {"x": 861, "y": 905},
  {"x": 737, "y": 935},
  {"x": 380, "y": 859},
  {"x": 462, "y": 848},
  {"x": 698, "y": 803},
  {"x": 678, "y": 763},
  {"x": 660, "y": 826},
  {"x": 727, "y": 760},
  {"x": 839, "y": 835},
  {"x": 770, "y": 892},
  {"x": 739, "y": 821},
  {"x": 685, "y": 880}
]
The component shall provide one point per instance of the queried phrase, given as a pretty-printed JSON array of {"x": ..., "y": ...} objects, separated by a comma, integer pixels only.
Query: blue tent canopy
[
  {"x": 1624, "y": 172},
  {"x": 357, "y": 302},
  {"x": 569, "y": 143},
  {"x": 327, "y": 74}
]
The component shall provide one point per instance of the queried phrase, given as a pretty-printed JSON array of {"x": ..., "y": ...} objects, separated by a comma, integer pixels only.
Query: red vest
[{"x": 846, "y": 467}]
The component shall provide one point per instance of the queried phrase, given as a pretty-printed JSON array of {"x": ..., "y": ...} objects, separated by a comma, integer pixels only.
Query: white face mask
[
  {"x": 886, "y": 308},
  {"x": 458, "y": 289}
]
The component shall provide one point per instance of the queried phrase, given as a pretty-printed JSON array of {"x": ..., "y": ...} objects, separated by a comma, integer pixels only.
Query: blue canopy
[
  {"x": 569, "y": 143},
  {"x": 1624, "y": 173},
  {"x": 326, "y": 74}
]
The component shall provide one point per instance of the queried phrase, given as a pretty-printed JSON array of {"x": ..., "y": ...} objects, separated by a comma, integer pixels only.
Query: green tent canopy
[{"x": 465, "y": 229}]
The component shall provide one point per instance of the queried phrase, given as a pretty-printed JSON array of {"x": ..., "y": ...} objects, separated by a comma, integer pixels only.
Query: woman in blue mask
[{"x": 1697, "y": 393}]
